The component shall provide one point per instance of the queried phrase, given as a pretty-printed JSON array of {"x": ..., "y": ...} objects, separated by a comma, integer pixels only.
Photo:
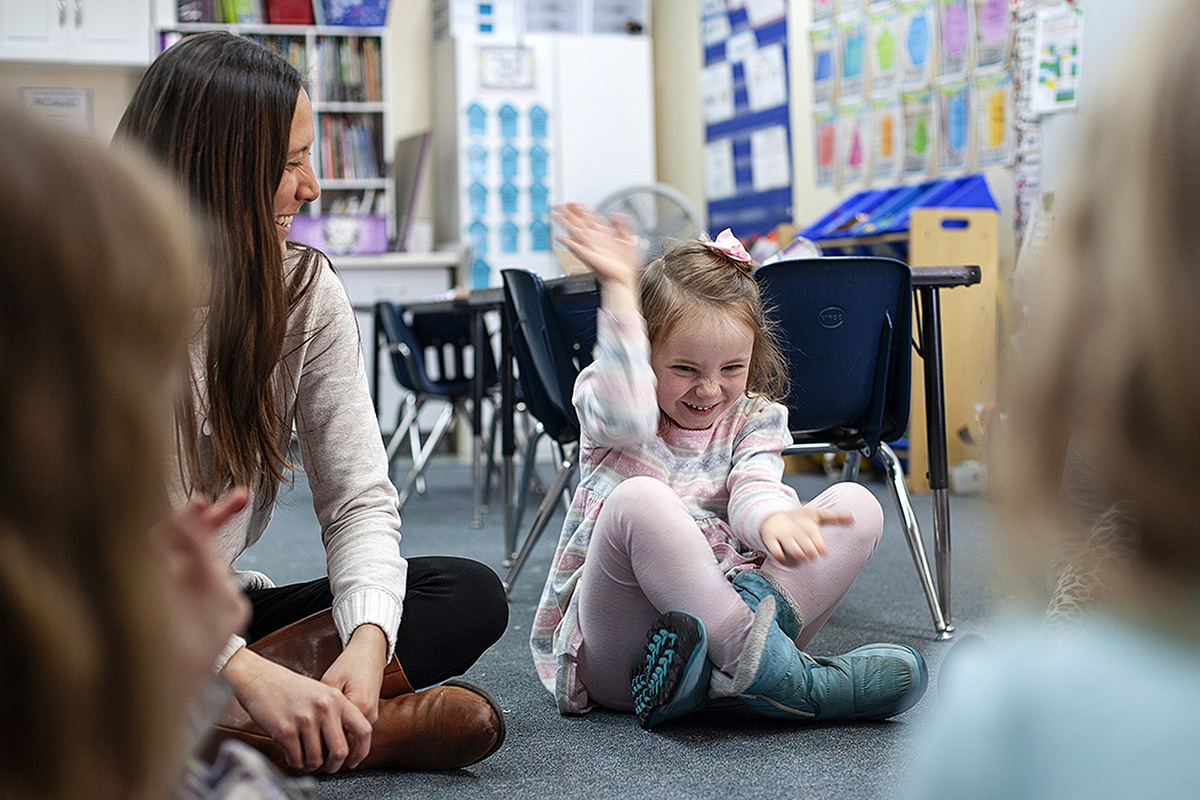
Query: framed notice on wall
[{"x": 744, "y": 87}]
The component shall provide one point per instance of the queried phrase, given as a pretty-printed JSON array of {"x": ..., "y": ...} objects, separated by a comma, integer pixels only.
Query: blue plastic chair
[
  {"x": 428, "y": 353},
  {"x": 552, "y": 340},
  {"x": 845, "y": 324}
]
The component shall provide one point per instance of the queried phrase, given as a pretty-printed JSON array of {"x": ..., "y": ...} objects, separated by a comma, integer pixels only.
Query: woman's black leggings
[{"x": 454, "y": 609}]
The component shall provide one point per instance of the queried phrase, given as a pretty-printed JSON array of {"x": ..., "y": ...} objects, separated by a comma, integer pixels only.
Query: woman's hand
[
  {"x": 609, "y": 249},
  {"x": 358, "y": 671},
  {"x": 315, "y": 724},
  {"x": 795, "y": 535}
]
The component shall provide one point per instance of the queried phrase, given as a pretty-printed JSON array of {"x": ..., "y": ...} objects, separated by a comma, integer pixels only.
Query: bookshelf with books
[{"x": 347, "y": 79}]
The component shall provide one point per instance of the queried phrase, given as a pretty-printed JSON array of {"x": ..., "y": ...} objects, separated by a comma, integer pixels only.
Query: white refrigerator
[{"x": 522, "y": 124}]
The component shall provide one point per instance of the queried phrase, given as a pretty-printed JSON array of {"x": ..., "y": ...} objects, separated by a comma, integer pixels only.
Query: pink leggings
[{"x": 647, "y": 556}]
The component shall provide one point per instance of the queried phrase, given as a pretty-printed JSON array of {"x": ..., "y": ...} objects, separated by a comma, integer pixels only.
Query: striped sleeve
[
  {"x": 615, "y": 395},
  {"x": 756, "y": 488}
]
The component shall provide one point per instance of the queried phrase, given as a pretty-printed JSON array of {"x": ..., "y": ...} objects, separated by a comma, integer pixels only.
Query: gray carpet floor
[{"x": 726, "y": 753}]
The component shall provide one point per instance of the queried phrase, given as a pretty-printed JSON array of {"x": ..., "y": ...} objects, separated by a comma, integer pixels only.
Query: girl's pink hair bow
[{"x": 729, "y": 245}]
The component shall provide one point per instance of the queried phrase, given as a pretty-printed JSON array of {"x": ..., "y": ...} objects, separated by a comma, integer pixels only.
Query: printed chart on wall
[
  {"x": 748, "y": 180},
  {"x": 505, "y": 158},
  {"x": 910, "y": 89}
]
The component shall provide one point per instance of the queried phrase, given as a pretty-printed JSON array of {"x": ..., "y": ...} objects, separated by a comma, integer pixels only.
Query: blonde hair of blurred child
[
  {"x": 1115, "y": 336},
  {"x": 109, "y": 619}
]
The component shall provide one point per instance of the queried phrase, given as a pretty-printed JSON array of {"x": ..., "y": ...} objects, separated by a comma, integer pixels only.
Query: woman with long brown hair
[{"x": 277, "y": 349}]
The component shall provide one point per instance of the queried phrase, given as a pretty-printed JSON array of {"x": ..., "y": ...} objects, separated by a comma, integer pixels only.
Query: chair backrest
[
  {"x": 446, "y": 336},
  {"x": 550, "y": 346},
  {"x": 846, "y": 326},
  {"x": 389, "y": 321},
  {"x": 576, "y": 315},
  {"x": 437, "y": 339}
]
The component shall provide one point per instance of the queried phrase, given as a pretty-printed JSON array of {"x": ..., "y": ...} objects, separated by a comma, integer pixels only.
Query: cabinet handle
[
  {"x": 78, "y": 13},
  {"x": 62, "y": 12}
]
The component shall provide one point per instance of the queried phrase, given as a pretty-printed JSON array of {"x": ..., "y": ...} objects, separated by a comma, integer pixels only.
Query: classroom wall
[
  {"x": 679, "y": 128},
  {"x": 676, "y": 31},
  {"x": 1107, "y": 26},
  {"x": 410, "y": 29},
  {"x": 678, "y": 115},
  {"x": 112, "y": 87},
  {"x": 675, "y": 27}
]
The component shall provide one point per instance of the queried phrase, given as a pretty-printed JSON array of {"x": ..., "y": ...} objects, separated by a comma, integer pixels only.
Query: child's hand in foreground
[{"x": 795, "y": 535}]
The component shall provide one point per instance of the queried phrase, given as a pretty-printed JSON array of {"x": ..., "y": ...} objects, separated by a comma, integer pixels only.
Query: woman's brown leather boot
[{"x": 449, "y": 726}]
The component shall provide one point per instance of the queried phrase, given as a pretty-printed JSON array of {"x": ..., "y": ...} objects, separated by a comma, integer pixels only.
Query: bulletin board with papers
[
  {"x": 744, "y": 87},
  {"x": 910, "y": 89}
]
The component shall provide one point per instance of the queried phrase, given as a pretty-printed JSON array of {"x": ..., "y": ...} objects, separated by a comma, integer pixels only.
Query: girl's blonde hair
[
  {"x": 690, "y": 278},
  {"x": 97, "y": 288},
  {"x": 1115, "y": 334}
]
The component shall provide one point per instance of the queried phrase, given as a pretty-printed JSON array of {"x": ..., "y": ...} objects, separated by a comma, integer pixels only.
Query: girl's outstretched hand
[
  {"x": 610, "y": 249},
  {"x": 795, "y": 535}
]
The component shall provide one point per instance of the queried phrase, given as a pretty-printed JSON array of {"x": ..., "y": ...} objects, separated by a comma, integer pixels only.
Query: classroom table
[{"x": 927, "y": 283}]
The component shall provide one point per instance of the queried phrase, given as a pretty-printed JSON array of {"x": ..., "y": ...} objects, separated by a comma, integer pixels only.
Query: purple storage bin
[
  {"x": 356, "y": 13},
  {"x": 338, "y": 235}
]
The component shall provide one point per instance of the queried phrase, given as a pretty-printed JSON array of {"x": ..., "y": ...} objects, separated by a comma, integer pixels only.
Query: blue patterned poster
[{"x": 748, "y": 180}]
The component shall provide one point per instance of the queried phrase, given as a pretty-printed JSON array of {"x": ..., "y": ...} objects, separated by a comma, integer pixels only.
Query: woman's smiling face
[
  {"x": 702, "y": 367},
  {"x": 298, "y": 184}
]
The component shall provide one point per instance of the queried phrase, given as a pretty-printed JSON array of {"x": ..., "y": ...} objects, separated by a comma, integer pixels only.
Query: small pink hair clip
[{"x": 729, "y": 245}]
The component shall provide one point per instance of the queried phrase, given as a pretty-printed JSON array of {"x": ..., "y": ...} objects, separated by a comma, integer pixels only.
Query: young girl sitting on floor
[{"x": 681, "y": 525}]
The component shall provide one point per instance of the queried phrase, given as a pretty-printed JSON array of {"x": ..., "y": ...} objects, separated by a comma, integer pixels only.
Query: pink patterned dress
[{"x": 728, "y": 476}]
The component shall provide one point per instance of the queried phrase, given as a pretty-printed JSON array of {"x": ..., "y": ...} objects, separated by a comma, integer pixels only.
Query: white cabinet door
[
  {"x": 32, "y": 31},
  {"x": 76, "y": 31},
  {"x": 112, "y": 31}
]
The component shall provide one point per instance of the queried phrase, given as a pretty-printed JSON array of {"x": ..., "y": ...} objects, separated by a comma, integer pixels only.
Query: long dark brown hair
[
  {"x": 98, "y": 280},
  {"x": 217, "y": 110}
]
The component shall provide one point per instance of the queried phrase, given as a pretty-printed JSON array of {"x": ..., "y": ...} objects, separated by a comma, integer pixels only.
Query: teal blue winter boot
[
  {"x": 672, "y": 679},
  {"x": 754, "y": 586},
  {"x": 776, "y": 679}
]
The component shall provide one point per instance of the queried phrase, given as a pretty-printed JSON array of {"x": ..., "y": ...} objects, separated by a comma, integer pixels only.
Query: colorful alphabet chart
[
  {"x": 993, "y": 33},
  {"x": 954, "y": 123},
  {"x": 995, "y": 132},
  {"x": 885, "y": 135},
  {"x": 954, "y": 38}
]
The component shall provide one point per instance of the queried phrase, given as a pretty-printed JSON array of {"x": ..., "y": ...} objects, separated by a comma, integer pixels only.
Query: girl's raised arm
[{"x": 614, "y": 395}]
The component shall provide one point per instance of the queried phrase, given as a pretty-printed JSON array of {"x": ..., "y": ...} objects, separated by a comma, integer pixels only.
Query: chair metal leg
[
  {"x": 941, "y": 551},
  {"x": 900, "y": 492},
  {"x": 564, "y": 457},
  {"x": 404, "y": 424},
  {"x": 414, "y": 445},
  {"x": 851, "y": 466},
  {"x": 478, "y": 446},
  {"x": 477, "y": 471},
  {"x": 524, "y": 486},
  {"x": 544, "y": 512},
  {"x": 419, "y": 460},
  {"x": 407, "y": 424},
  {"x": 492, "y": 471}
]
